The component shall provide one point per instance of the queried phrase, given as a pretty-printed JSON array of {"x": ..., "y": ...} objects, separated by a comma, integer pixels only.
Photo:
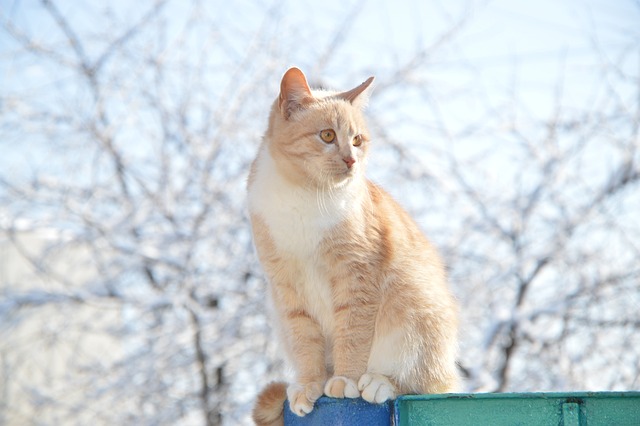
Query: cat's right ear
[{"x": 294, "y": 92}]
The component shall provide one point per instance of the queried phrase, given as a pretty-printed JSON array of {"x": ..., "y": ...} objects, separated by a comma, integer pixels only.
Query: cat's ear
[
  {"x": 294, "y": 92},
  {"x": 358, "y": 96}
]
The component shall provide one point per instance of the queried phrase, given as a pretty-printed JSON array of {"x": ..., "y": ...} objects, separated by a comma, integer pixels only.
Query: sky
[
  {"x": 497, "y": 32},
  {"x": 536, "y": 41}
]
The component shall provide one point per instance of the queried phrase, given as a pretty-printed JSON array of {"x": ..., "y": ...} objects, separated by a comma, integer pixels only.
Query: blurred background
[{"x": 129, "y": 289}]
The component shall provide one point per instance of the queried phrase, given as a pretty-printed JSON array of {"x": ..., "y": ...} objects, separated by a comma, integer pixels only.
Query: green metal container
[{"x": 530, "y": 409}]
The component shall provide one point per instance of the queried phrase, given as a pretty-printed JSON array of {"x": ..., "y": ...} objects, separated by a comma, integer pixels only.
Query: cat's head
[{"x": 318, "y": 137}]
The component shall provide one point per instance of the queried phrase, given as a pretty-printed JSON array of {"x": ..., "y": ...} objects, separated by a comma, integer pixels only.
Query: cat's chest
[{"x": 298, "y": 218}]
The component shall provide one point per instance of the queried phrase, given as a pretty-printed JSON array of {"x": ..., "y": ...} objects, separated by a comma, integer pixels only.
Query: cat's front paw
[
  {"x": 341, "y": 387},
  {"x": 376, "y": 388},
  {"x": 302, "y": 397}
]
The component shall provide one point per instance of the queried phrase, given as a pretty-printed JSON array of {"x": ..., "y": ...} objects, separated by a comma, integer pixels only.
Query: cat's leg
[
  {"x": 386, "y": 362},
  {"x": 304, "y": 343},
  {"x": 305, "y": 346},
  {"x": 354, "y": 315}
]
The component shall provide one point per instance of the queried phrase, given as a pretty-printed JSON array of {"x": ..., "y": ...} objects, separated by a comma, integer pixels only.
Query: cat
[{"x": 360, "y": 298}]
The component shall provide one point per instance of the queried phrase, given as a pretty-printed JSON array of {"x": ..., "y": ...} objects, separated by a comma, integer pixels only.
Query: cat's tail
[{"x": 269, "y": 408}]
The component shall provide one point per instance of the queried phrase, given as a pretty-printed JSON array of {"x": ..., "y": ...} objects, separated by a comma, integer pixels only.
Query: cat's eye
[
  {"x": 328, "y": 135},
  {"x": 357, "y": 140}
]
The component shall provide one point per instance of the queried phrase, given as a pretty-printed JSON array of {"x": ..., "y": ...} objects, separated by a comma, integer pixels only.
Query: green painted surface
[
  {"x": 571, "y": 414},
  {"x": 530, "y": 409}
]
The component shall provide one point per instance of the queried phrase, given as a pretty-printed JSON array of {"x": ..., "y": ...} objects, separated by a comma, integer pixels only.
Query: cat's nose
[{"x": 349, "y": 161}]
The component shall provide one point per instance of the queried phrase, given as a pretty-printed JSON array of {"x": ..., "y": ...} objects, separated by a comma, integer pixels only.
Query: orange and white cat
[{"x": 360, "y": 297}]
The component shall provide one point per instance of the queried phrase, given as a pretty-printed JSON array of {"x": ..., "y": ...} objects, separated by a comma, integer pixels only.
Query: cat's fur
[{"x": 361, "y": 302}]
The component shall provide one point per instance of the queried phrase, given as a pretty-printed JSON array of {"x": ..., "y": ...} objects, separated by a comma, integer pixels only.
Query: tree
[{"x": 129, "y": 290}]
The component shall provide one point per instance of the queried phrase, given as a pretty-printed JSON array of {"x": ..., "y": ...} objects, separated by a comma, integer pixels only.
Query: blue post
[{"x": 342, "y": 412}]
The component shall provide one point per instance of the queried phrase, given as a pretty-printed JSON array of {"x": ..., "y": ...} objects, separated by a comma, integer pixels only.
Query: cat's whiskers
[
  {"x": 318, "y": 185},
  {"x": 320, "y": 200},
  {"x": 326, "y": 190}
]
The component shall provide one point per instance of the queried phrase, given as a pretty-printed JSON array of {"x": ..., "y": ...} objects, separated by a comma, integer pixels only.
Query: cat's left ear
[{"x": 358, "y": 96}]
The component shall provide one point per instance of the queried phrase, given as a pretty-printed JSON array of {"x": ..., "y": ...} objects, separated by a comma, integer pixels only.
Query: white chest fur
[{"x": 298, "y": 217}]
